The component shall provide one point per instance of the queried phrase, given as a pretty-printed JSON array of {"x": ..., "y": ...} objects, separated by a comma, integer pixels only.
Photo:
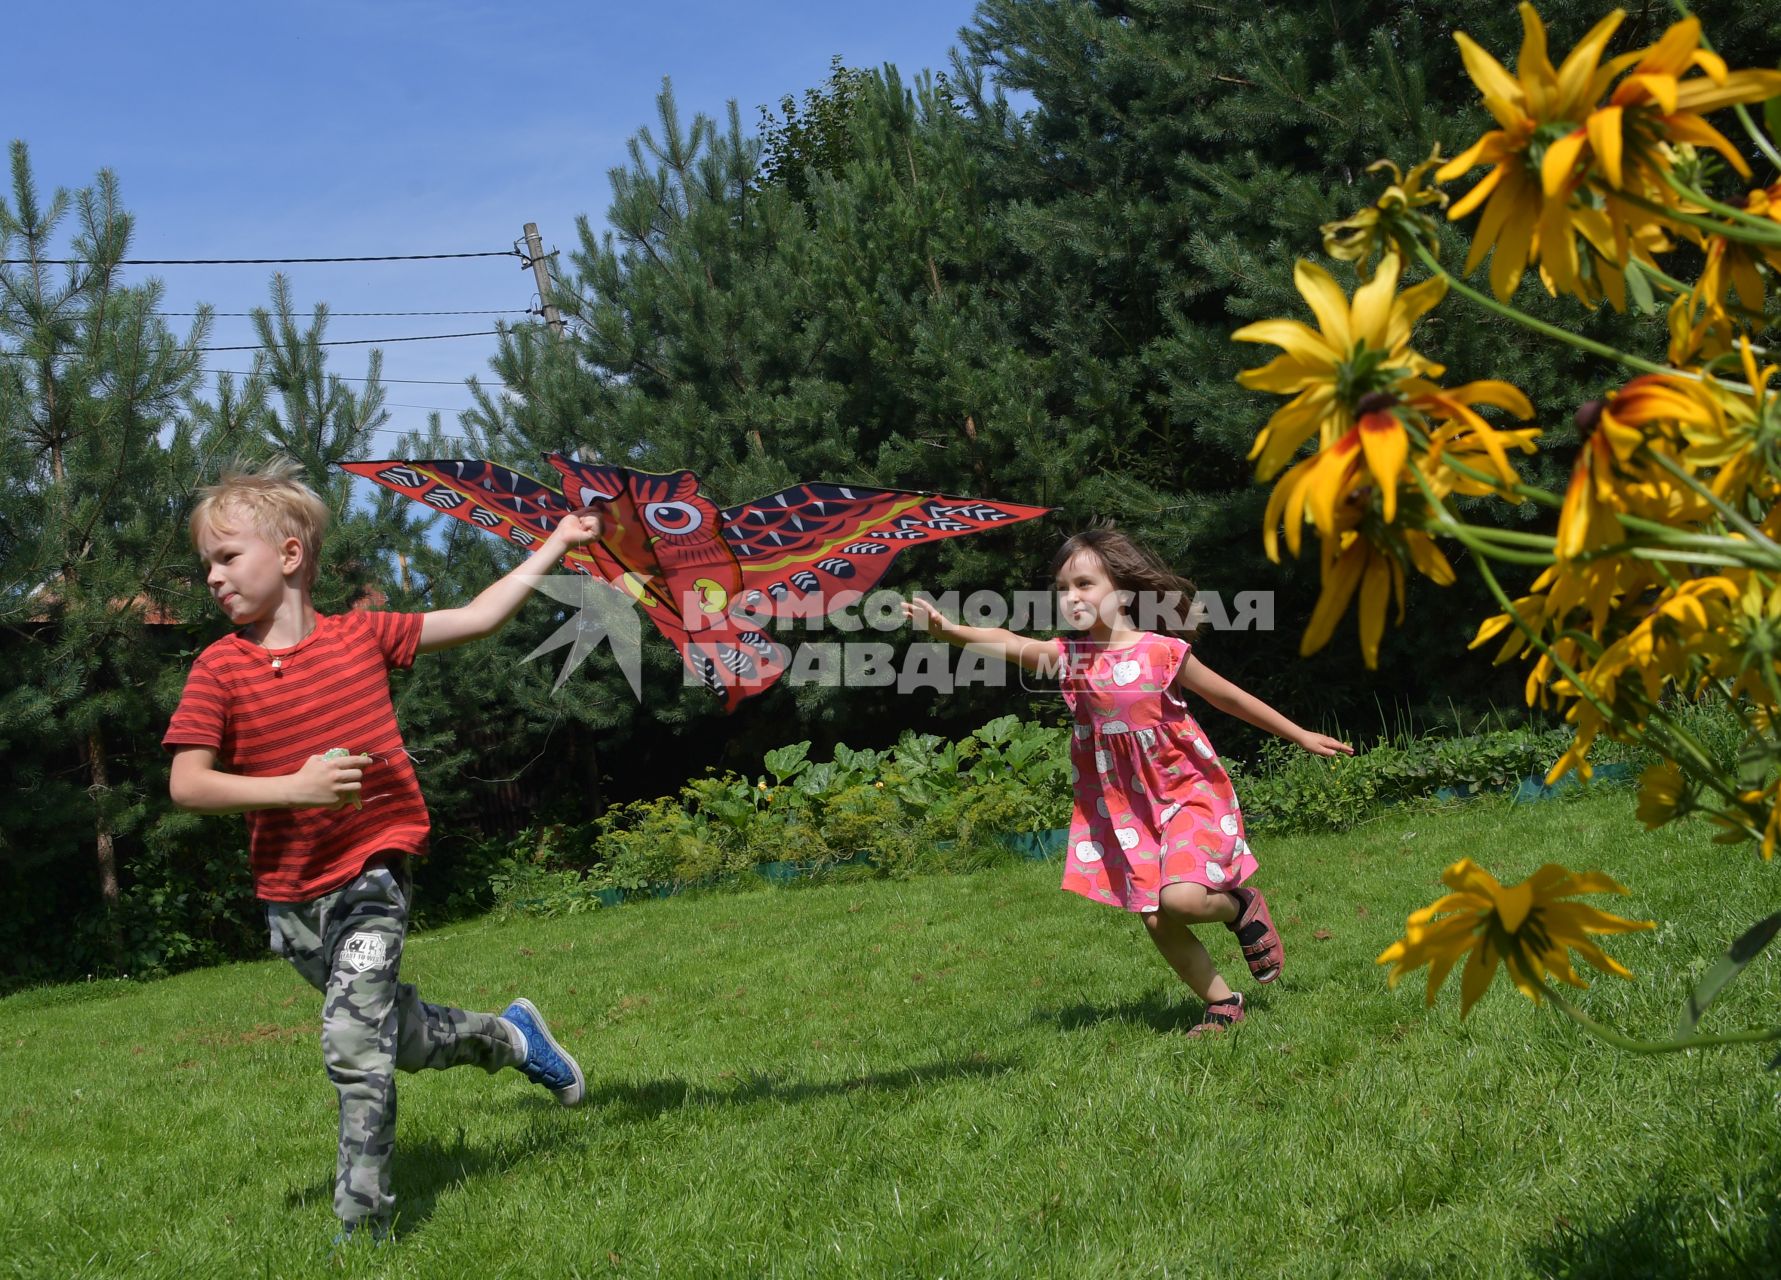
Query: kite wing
[
  {"x": 496, "y": 500},
  {"x": 705, "y": 577},
  {"x": 829, "y": 540}
]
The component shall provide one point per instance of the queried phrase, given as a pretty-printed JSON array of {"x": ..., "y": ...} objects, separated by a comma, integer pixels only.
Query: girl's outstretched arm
[
  {"x": 1037, "y": 656},
  {"x": 1196, "y": 677}
]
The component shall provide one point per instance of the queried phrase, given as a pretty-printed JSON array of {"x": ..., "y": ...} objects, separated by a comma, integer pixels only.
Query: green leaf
[
  {"x": 1771, "y": 116},
  {"x": 1638, "y": 289},
  {"x": 786, "y": 763},
  {"x": 1748, "y": 946}
]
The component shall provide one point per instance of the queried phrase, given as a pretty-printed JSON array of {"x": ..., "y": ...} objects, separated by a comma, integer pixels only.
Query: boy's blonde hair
[{"x": 273, "y": 496}]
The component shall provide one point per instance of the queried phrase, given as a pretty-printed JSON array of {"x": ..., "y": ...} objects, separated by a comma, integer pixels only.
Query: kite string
[{"x": 386, "y": 757}]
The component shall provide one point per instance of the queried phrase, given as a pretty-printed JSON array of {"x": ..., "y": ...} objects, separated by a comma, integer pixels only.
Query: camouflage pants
[{"x": 348, "y": 945}]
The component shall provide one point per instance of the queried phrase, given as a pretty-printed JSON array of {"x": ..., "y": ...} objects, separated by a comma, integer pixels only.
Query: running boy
[{"x": 286, "y": 720}]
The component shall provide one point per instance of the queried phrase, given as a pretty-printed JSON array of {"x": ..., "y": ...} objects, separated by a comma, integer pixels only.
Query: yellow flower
[
  {"x": 1395, "y": 212},
  {"x": 1661, "y": 793},
  {"x": 1531, "y": 610},
  {"x": 1563, "y": 158},
  {"x": 1737, "y": 434},
  {"x": 1375, "y": 456},
  {"x": 1333, "y": 490},
  {"x": 1747, "y": 649},
  {"x": 1350, "y": 561},
  {"x": 1731, "y": 265},
  {"x": 1589, "y": 519},
  {"x": 1683, "y": 623},
  {"x": 1357, "y": 348},
  {"x": 1700, "y": 329},
  {"x": 1654, "y": 108},
  {"x": 1466, "y": 434},
  {"x": 1610, "y": 477},
  {"x": 1482, "y": 448},
  {"x": 1313, "y": 489},
  {"x": 1587, "y": 722},
  {"x": 1535, "y": 109},
  {"x": 1527, "y": 927},
  {"x": 1764, "y": 808}
]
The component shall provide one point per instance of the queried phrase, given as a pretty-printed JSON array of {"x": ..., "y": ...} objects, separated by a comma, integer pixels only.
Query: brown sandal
[
  {"x": 1220, "y": 1015},
  {"x": 1254, "y": 928}
]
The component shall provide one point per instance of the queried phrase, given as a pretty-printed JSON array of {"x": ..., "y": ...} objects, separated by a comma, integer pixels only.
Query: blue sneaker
[{"x": 545, "y": 1061}]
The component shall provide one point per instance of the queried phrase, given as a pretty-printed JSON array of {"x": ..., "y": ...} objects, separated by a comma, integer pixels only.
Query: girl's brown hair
[{"x": 1162, "y": 600}]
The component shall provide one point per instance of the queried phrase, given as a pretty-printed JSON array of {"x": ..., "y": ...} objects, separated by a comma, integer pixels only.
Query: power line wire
[
  {"x": 412, "y": 382},
  {"x": 256, "y": 262},
  {"x": 331, "y": 342},
  {"x": 347, "y": 377},
  {"x": 508, "y": 311},
  {"x": 368, "y": 342}
]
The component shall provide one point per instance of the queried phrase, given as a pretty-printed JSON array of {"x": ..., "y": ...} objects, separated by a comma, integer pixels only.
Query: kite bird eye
[{"x": 676, "y": 518}]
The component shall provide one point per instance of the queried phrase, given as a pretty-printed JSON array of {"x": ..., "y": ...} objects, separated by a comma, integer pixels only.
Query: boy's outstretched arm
[
  {"x": 1196, "y": 677},
  {"x": 1038, "y": 656},
  {"x": 500, "y": 600}
]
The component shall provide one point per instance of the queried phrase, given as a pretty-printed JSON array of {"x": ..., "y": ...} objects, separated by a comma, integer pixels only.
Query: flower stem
[
  {"x": 1514, "y": 537},
  {"x": 1538, "y": 326},
  {"x": 1620, "y": 1041},
  {"x": 1526, "y": 492},
  {"x": 1508, "y": 606},
  {"x": 1463, "y": 534},
  {"x": 1739, "y": 225},
  {"x": 1708, "y": 559},
  {"x": 1730, "y": 514}
]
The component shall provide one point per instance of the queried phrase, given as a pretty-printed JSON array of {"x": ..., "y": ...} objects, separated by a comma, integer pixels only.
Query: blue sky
[{"x": 315, "y": 128}]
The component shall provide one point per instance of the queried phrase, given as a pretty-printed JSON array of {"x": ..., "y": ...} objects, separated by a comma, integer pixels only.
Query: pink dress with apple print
[{"x": 1153, "y": 804}]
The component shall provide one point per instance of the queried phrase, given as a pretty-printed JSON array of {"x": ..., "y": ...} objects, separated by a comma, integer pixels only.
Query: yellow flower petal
[
  {"x": 1577, "y": 75},
  {"x": 1475, "y": 978},
  {"x": 1428, "y": 558},
  {"x": 1373, "y": 303},
  {"x": 1473, "y": 198},
  {"x": 1328, "y": 303},
  {"x": 1386, "y": 445},
  {"x": 1739, "y": 86},
  {"x": 1295, "y": 337},
  {"x": 1502, "y": 92},
  {"x": 1332, "y": 602},
  {"x": 1684, "y": 127},
  {"x": 1508, "y": 259},
  {"x": 1560, "y": 161},
  {"x": 1604, "y": 140},
  {"x": 1284, "y": 375},
  {"x": 1513, "y": 903},
  {"x": 1375, "y": 595}
]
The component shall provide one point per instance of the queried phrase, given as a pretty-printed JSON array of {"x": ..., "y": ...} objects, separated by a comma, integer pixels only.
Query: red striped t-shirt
[{"x": 331, "y": 690}]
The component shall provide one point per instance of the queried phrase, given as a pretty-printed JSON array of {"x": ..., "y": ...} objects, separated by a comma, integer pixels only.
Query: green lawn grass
[{"x": 954, "y": 1075}]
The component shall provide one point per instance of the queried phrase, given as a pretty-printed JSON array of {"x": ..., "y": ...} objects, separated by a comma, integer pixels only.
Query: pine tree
[{"x": 98, "y": 451}]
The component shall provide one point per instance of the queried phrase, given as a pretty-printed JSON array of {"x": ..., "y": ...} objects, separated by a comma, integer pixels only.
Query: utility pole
[{"x": 541, "y": 272}]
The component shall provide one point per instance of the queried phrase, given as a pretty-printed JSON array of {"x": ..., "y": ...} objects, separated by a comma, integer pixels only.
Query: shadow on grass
[
  {"x": 1159, "y": 1010},
  {"x": 1729, "y": 1227},
  {"x": 646, "y": 1101},
  {"x": 425, "y": 1168}
]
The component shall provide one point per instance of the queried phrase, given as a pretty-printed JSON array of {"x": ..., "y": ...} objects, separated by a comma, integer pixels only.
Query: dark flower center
[
  {"x": 1375, "y": 402},
  {"x": 1588, "y": 414}
]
